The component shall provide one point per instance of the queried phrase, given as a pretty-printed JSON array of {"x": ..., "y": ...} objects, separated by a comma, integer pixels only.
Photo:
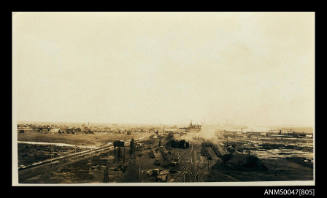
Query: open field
[{"x": 96, "y": 139}]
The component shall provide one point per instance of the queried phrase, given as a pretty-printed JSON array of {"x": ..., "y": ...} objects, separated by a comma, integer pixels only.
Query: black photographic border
[{"x": 153, "y": 190}]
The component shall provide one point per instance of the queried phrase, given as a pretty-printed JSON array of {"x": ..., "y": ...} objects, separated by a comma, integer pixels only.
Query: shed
[{"x": 54, "y": 131}]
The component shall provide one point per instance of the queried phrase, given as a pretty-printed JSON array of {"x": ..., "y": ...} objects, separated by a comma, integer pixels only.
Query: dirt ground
[
  {"x": 277, "y": 170},
  {"x": 96, "y": 139}
]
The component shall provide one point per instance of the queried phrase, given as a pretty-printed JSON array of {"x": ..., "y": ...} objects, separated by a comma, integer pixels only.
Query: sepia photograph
[{"x": 163, "y": 98}]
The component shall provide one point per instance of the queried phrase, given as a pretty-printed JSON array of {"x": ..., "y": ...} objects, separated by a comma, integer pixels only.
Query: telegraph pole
[{"x": 106, "y": 174}]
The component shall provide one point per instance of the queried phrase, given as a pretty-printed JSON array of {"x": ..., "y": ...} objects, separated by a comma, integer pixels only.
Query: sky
[{"x": 244, "y": 68}]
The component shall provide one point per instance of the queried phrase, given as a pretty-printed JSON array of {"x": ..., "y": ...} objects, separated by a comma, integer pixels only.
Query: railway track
[
  {"x": 81, "y": 154},
  {"x": 68, "y": 156}
]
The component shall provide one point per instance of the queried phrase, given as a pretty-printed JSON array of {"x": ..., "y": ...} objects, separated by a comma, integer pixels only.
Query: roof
[
  {"x": 24, "y": 128},
  {"x": 54, "y": 130}
]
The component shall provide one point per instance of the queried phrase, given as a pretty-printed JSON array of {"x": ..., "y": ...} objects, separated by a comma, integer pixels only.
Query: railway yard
[{"x": 162, "y": 157}]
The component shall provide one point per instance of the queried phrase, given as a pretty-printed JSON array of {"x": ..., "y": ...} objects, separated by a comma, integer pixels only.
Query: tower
[{"x": 132, "y": 147}]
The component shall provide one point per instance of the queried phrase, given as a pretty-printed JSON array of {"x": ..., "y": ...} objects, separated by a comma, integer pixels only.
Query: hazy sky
[{"x": 248, "y": 68}]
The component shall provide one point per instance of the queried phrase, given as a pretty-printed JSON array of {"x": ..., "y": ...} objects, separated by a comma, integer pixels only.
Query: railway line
[
  {"x": 104, "y": 148},
  {"x": 68, "y": 156}
]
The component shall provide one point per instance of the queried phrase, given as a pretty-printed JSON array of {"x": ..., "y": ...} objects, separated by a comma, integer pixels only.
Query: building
[
  {"x": 23, "y": 129},
  {"x": 55, "y": 131}
]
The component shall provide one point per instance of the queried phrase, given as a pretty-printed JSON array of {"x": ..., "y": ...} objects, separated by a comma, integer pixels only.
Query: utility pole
[
  {"x": 139, "y": 171},
  {"x": 51, "y": 154},
  {"x": 106, "y": 174},
  {"x": 184, "y": 176},
  {"x": 124, "y": 156}
]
